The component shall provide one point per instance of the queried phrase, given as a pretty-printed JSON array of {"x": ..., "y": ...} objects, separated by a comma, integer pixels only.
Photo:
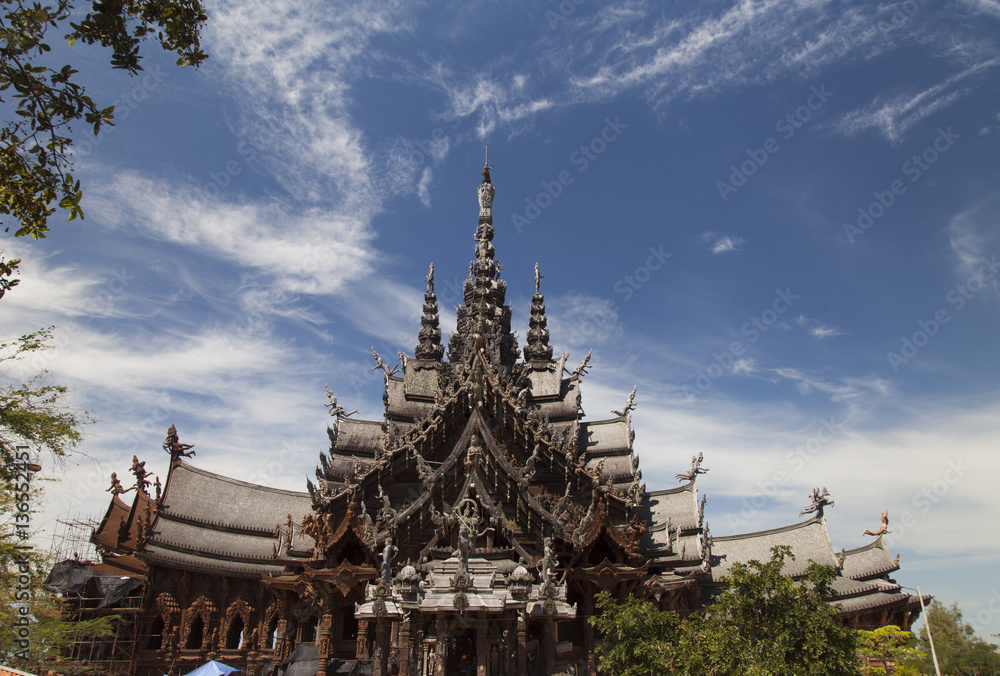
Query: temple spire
[
  {"x": 484, "y": 292},
  {"x": 429, "y": 346},
  {"x": 538, "y": 348}
]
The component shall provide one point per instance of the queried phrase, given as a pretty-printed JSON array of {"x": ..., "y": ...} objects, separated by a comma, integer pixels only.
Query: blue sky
[{"x": 777, "y": 219}]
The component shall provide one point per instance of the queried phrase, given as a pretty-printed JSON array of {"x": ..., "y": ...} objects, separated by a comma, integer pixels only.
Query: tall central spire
[{"x": 484, "y": 292}]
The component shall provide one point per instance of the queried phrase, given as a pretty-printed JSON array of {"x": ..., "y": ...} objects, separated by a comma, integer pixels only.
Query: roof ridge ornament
[
  {"x": 629, "y": 405},
  {"x": 695, "y": 468},
  {"x": 820, "y": 498},
  {"x": 429, "y": 346},
  {"x": 885, "y": 525},
  {"x": 538, "y": 348}
]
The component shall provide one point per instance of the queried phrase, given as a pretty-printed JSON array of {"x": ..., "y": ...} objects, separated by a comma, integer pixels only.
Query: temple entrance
[{"x": 462, "y": 656}]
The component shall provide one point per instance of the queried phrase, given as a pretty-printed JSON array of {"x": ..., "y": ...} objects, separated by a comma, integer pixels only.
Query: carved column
[
  {"x": 361, "y": 651},
  {"x": 441, "y": 646},
  {"x": 325, "y": 642},
  {"x": 381, "y": 656},
  {"x": 482, "y": 650},
  {"x": 404, "y": 648},
  {"x": 550, "y": 646},
  {"x": 522, "y": 646},
  {"x": 281, "y": 648},
  {"x": 588, "y": 634}
]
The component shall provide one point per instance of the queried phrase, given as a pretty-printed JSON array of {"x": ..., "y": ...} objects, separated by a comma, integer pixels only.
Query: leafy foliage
[
  {"x": 763, "y": 624},
  {"x": 35, "y": 145},
  {"x": 638, "y": 640},
  {"x": 51, "y": 628},
  {"x": 960, "y": 652},
  {"x": 890, "y": 646},
  {"x": 32, "y": 409}
]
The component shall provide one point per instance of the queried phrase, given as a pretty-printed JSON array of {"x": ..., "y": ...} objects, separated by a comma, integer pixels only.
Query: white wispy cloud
[
  {"x": 580, "y": 322},
  {"x": 633, "y": 47},
  {"x": 974, "y": 240},
  {"x": 893, "y": 116},
  {"x": 424, "y": 187},
  {"x": 719, "y": 243},
  {"x": 304, "y": 249},
  {"x": 818, "y": 329}
]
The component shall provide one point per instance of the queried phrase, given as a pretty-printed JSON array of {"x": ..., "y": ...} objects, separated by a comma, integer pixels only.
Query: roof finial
[
  {"x": 486, "y": 164},
  {"x": 429, "y": 346},
  {"x": 538, "y": 348}
]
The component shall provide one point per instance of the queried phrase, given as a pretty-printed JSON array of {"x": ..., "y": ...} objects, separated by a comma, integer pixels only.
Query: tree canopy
[
  {"x": 762, "y": 624},
  {"x": 960, "y": 652},
  {"x": 35, "y": 145}
]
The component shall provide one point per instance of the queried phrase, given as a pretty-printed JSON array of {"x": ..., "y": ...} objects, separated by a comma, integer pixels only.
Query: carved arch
[
  {"x": 205, "y": 610},
  {"x": 241, "y": 609},
  {"x": 268, "y": 626}
]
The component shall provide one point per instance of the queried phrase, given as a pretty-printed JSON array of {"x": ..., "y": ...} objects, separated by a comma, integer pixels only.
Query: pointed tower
[
  {"x": 484, "y": 319},
  {"x": 538, "y": 348},
  {"x": 430, "y": 346}
]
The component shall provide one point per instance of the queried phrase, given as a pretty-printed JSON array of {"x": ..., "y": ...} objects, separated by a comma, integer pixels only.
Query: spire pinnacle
[
  {"x": 484, "y": 311},
  {"x": 429, "y": 346},
  {"x": 538, "y": 348}
]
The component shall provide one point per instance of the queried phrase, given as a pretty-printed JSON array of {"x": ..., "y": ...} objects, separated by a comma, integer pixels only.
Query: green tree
[
  {"x": 636, "y": 638},
  {"x": 767, "y": 623},
  {"x": 46, "y": 101},
  {"x": 763, "y": 624},
  {"x": 960, "y": 652},
  {"x": 32, "y": 409},
  {"x": 891, "y": 647},
  {"x": 34, "y": 628}
]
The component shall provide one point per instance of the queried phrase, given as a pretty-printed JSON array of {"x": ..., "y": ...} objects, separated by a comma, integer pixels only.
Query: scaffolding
[
  {"x": 71, "y": 539},
  {"x": 114, "y": 654}
]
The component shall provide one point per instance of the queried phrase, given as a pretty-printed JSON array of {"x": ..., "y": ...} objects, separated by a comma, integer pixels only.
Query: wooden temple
[{"x": 467, "y": 532}]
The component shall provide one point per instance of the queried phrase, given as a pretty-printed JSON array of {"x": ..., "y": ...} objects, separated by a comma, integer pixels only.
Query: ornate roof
[
  {"x": 212, "y": 523},
  {"x": 809, "y": 542}
]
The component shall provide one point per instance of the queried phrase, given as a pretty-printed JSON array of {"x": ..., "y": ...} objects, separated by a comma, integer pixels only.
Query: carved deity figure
[
  {"x": 336, "y": 410},
  {"x": 885, "y": 525},
  {"x": 388, "y": 558},
  {"x": 629, "y": 405},
  {"x": 379, "y": 364},
  {"x": 464, "y": 547},
  {"x": 116, "y": 486},
  {"x": 818, "y": 500},
  {"x": 174, "y": 447},
  {"x": 547, "y": 565},
  {"x": 695, "y": 468},
  {"x": 139, "y": 470}
]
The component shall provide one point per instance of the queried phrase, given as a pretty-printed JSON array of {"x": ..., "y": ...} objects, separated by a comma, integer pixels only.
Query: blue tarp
[{"x": 212, "y": 668}]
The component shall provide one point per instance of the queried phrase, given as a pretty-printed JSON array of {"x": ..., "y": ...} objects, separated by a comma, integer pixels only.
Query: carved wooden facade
[{"x": 467, "y": 531}]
